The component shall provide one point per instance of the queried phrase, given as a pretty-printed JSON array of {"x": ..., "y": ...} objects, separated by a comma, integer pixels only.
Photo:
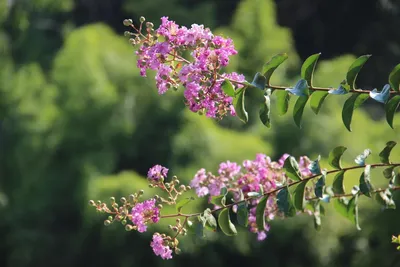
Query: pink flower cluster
[
  {"x": 163, "y": 51},
  {"x": 159, "y": 248},
  {"x": 144, "y": 212},
  {"x": 259, "y": 175},
  {"x": 157, "y": 172}
]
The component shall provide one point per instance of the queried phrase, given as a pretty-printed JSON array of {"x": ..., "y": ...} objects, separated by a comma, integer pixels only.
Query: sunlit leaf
[
  {"x": 182, "y": 203},
  {"x": 317, "y": 99},
  {"x": 354, "y": 69},
  {"x": 390, "y": 109},
  {"x": 382, "y": 96},
  {"x": 224, "y": 221},
  {"x": 360, "y": 159},
  {"x": 270, "y": 66},
  {"x": 340, "y": 205},
  {"x": 228, "y": 88},
  {"x": 238, "y": 104},
  {"x": 350, "y": 105},
  {"x": 335, "y": 155},
  {"x": 385, "y": 153},
  {"x": 282, "y": 104},
  {"x": 365, "y": 181},
  {"x": 291, "y": 168},
  {"x": 308, "y": 67},
  {"x": 337, "y": 185},
  {"x": 260, "y": 210}
]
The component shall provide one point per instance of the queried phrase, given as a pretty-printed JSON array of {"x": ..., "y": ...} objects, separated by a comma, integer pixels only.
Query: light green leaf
[
  {"x": 260, "y": 209},
  {"x": 265, "y": 111},
  {"x": 335, "y": 155},
  {"x": 308, "y": 67},
  {"x": 182, "y": 203},
  {"x": 319, "y": 187},
  {"x": 350, "y": 105},
  {"x": 210, "y": 222},
  {"x": 317, "y": 98},
  {"x": 298, "y": 196},
  {"x": 354, "y": 69},
  {"x": 283, "y": 98},
  {"x": 224, "y": 221},
  {"x": 228, "y": 88},
  {"x": 272, "y": 65},
  {"x": 291, "y": 168},
  {"x": 365, "y": 183},
  {"x": 340, "y": 205},
  {"x": 259, "y": 81},
  {"x": 338, "y": 186},
  {"x": 385, "y": 153},
  {"x": 218, "y": 200},
  {"x": 238, "y": 103},
  {"x": 352, "y": 211}
]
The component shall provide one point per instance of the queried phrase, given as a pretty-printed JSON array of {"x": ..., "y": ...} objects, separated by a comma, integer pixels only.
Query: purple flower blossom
[
  {"x": 156, "y": 172},
  {"x": 159, "y": 248},
  {"x": 144, "y": 212}
]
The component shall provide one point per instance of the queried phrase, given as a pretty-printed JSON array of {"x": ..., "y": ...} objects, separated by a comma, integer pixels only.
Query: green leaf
[
  {"x": 260, "y": 209},
  {"x": 298, "y": 196},
  {"x": 199, "y": 230},
  {"x": 308, "y": 67},
  {"x": 354, "y": 69},
  {"x": 335, "y": 155},
  {"x": 319, "y": 186},
  {"x": 387, "y": 173},
  {"x": 225, "y": 223},
  {"x": 390, "y": 108},
  {"x": 337, "y": 186},
  {"x": 285, "y": 202},
  {"x": 298, "y": 109},
  {"x": 314, "y": 167},
  {"x": 238, "y": 103},
  {"x": 352, "y": 211},
  {"x": 182, "y": 203},
  {"x": 259, "y": 81},
  {"x": 385, "y": 153},
  {"x": 317, "y": 98},
  {"x": 228, "y": 88},
  {"x": 291, "y": 168},
  {"x": 385, "y": 199},
  {"x": 340, "y": 205},
  {"x": 210, "y": 221},
  {"x": 265, "y": 111},
  {"x": 365, "y": 183},
  {"x": 218, "y": 200},
  {"x": 350, "y": 105},
  {"x": 283, "y": 98},
  {"x": 243, "y": 214},
  {"x": 300, "y": 89},
  {"x": 272, "y": 65},
  {"x": 394, "y": 78}
]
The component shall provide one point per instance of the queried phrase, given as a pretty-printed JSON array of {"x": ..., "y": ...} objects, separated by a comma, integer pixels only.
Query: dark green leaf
[
  {"x": 298, "y": 196},
  {"x": 260, "y": 209},
  {"x": 218, "y": 200},
  {"x": 355, "y": 69},
  {"x": 317, "y": 98},
  {"x": 385, "y": 199},
  {"x": 265, "y": 111},
  {"x": 300, "y": 89},
  {"x": 182, "y": 203},
  {"x": 285, "y": 203},
  {"x": 223, "y": 191},
  {"x": 308, "y": 67},
  {"x": 238, "y": 103},
  {"x": 298, "y": 109},
  {"x": 390, "y": 108},
  {"x": 314, "y": 167},
  {"x": 350, "y": 105},
  {"x": 225, "y": 223},
  {"x": 394, "y": 78},
  {"x": 242, "y": 214},
  {"x": 291, "y": 168},
  {"x": 340, "y": 205},
  {"x": 352, "y": 211},
  {"x": 199, "y": 230},
  {"x": 365, "y": 183},
  {"x": 319, "y": 187},
  {"x": 270, "y": 66},
  {"x": 335, "y": 156},
  {"x": 259, "y": 81},
  {"x": 360, "y": 159},
  {"x": 387, "y": 173},
  {"x": 283, "y": 98},
  {"x": 210, "y": 221},
  {"x": 385, "y": 153},
  {"x": 337, "y": 186},
  {"x": 228, "y": 88}
]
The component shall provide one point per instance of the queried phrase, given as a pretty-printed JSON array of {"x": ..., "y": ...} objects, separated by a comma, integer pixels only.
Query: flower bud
[
  {"x": 175, "y": 229},
  {"x": 110, "y": 218},
  {"x": 91, "y": 203},
  {"x": 142, "y": 19},
  {"x": 141, "y": 192},
  {"x": 131, "y": 198},
  {"x": 178, "y": 221},
  {"x": 188, "y": 187},
  {"x": 107, "y": 222},
  {"x": 98, "y": 202},
  {"x": 177, "y": 251},
  {"x": 112, "y": 200},
  {"x": 123, "y": 200},
  {"x": 132, "y": 41},
  {"x": 124, "y": 222},
  {"x": 149, "y": 25},
  {"x": 128, "y": 227},
  {"x": 160, "y": 206},
  {"x": 182, "y": 187},
  {"x": 128, "y": 22}
]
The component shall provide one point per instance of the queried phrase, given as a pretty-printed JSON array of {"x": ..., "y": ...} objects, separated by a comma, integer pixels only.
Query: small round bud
[
  {"x": 128, "y": 227},
  {"x": 107, "y": 222},
  {"x": 160, "y": 206},
  {"x": 170, "y": 198},
  {"x": 170, "y": 227},
  {"x": 177, "y": 181},
  {"x": 98, "y": 202},
  {"x": 178, "y": 221},
  {"x": 131, "y": 198},
  {"x": 149, "y": 25},
  {"x": 151, "y": 186},
  {"x": 123, "y": 222},
  {"x": 177, "y": 251},
  {"x": 91, "y": 203},
  {"x": 110, "y": 218},
  {"x": 142, "y": 19},
  {"x": 112, "y": 200},
  {"x": 188, "y": 187},
  {"x": 123, "y": 200},
  {"x": 175, "y": 229},
  {"x": 132, "y": 41},
  {"x": 128, "y": 22},
  {"x": 167, "y": 185},
  {"x": 127, "y": 33},
  {"x": 141, "y": 192},
  {"x": 182, "y": 187}
]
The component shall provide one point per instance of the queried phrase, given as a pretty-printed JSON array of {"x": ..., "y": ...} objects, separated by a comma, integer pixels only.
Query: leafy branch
[{"x": 308, "y": 92}]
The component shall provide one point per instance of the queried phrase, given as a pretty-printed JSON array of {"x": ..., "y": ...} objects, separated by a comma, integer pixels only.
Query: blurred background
[{"x": 78, "y": 123}]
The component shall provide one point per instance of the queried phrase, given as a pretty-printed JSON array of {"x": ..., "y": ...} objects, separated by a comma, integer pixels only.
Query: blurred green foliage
[{"x": 77, "y": 122}]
